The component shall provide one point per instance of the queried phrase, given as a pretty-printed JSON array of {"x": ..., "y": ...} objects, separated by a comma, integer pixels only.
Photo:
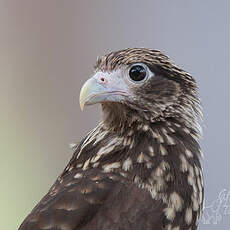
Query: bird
[{"x": 140, "y": 168}]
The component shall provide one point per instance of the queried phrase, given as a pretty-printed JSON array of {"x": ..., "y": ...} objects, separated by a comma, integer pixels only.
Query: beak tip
[
  {"x": 82, "y": 105},
  {"x": 85, "y": 92}
]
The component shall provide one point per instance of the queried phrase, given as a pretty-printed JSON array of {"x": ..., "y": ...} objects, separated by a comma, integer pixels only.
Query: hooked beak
[{"x": 102, "y": 87}]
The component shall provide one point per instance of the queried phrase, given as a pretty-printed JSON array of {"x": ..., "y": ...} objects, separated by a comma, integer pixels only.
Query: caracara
[{"x": 139, "y": 169}]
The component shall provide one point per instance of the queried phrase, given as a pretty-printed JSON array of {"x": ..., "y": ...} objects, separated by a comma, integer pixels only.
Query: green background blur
[{"x": 48, "y": 49}]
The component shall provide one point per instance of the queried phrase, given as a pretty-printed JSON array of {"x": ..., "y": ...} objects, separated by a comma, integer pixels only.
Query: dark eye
[{"x": 137, "y": 73}]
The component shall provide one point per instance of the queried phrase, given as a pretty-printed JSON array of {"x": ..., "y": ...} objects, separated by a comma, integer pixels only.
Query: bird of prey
[{"x": 140, "y": 167}]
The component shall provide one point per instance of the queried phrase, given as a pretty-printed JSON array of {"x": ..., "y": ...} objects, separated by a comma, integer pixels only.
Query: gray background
[{"x": 48, "y": 49}]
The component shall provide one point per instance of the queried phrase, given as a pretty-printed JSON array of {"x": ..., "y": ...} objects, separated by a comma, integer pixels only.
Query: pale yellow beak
[
  {"x": 88, "y": 91},
  {"x": 112, "y": 89}
]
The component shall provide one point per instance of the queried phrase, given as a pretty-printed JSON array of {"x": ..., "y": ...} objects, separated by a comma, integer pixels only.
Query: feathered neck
[
  {"x": 109, "y": 143},
  {"x": 119, "y": 118}
]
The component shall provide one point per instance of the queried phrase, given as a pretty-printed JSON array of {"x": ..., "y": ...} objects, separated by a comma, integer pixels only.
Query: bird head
[{"x": 140, "y": 84}]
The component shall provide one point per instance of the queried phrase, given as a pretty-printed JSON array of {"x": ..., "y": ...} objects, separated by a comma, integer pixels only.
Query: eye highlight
[{"x": 137, "y": 73}]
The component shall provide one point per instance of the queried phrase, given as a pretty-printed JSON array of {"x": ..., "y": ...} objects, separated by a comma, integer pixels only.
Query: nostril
[{"x": 102, "y": 80}]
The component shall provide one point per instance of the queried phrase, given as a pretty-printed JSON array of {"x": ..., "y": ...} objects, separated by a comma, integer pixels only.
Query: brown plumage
[{"x": 139, "y": 168}]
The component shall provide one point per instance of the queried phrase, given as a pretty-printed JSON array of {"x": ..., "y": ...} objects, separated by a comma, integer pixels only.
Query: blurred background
[{"x": 47, "y": 51}]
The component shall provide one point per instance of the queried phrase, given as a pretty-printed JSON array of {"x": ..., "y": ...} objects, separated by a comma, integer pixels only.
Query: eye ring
[{"x": 138, "y": 73}]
